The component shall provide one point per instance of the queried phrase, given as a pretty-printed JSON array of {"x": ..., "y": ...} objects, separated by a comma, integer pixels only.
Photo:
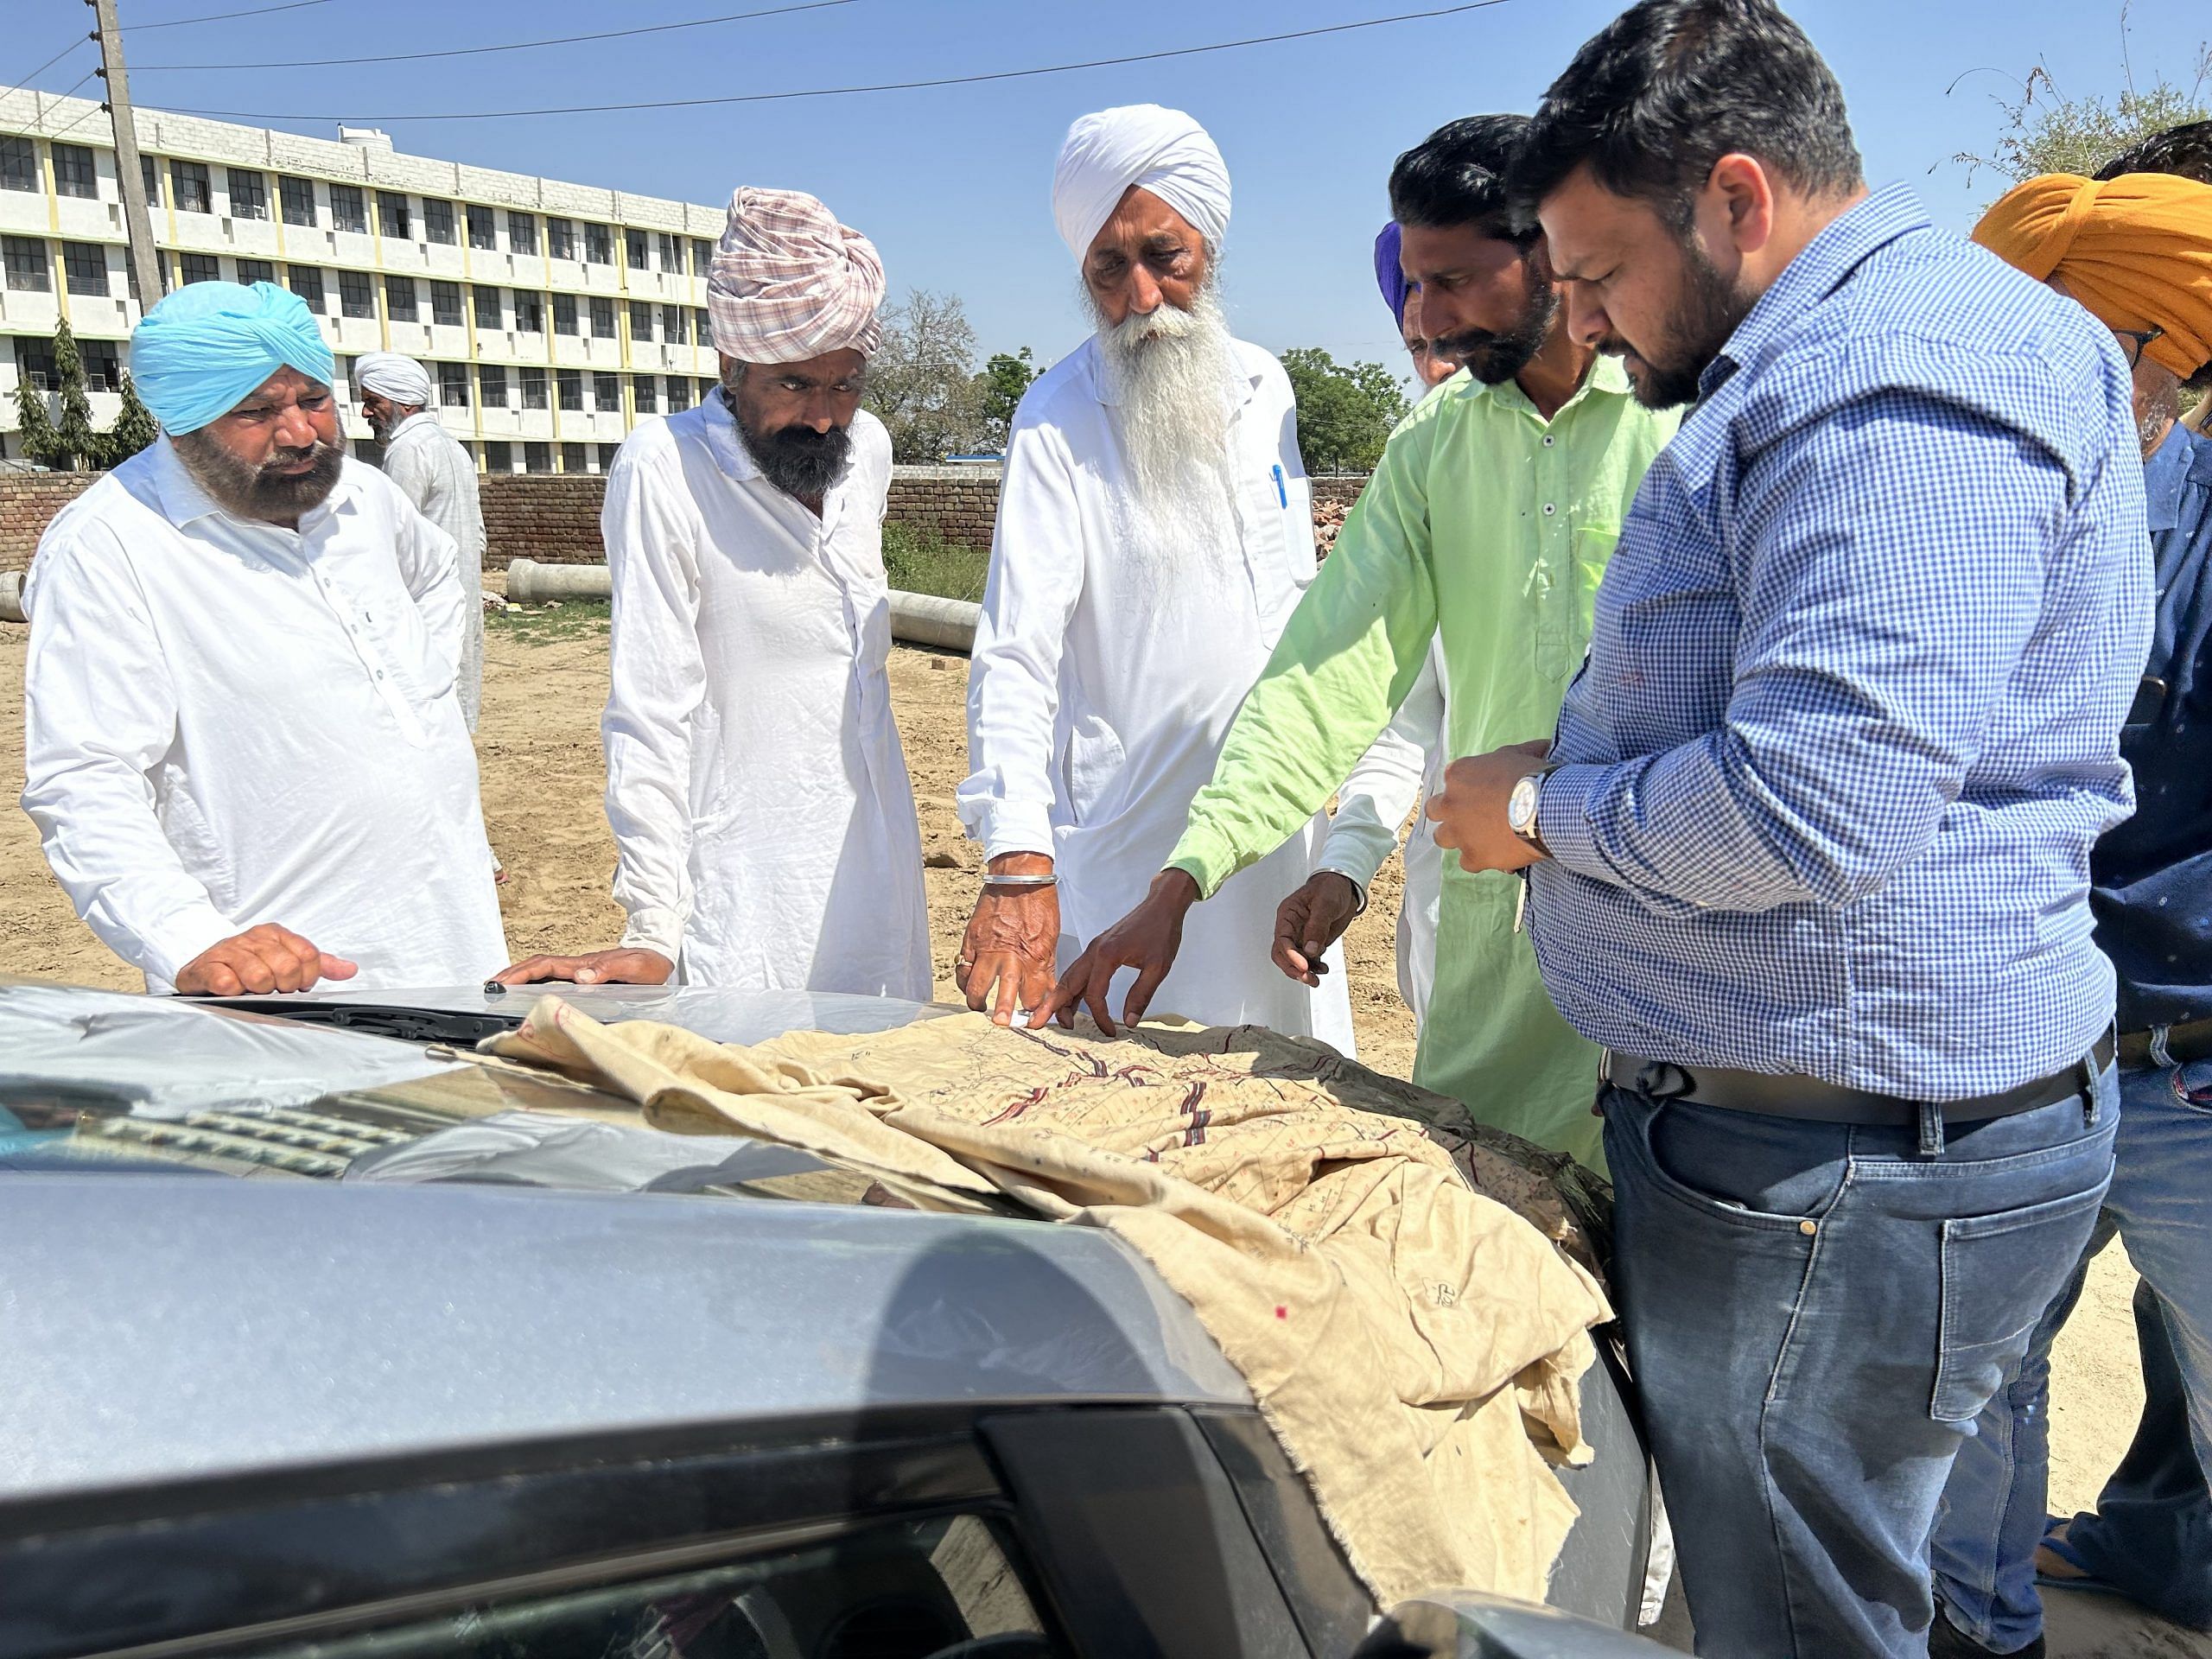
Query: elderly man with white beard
[{"x": 1154, "y": 533}]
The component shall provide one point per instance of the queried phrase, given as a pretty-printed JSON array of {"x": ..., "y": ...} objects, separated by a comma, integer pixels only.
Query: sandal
[{"x": 2056, "y": 1541}]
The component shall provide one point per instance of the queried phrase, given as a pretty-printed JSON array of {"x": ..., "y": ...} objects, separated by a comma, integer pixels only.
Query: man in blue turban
[{"x": 245, "y": 752}]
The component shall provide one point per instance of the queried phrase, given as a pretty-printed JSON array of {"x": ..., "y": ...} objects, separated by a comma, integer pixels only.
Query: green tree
[
  {"x": 34, "y": 429},
  {"x": 1346, "y": 411},
  {"x": 77, "y": 444},
  {"x": 134, "y": 428},
  {"x": 999, "y": 390},
  {"x": 2045, "y": 131},
  {"x": 922, "y": 380}
]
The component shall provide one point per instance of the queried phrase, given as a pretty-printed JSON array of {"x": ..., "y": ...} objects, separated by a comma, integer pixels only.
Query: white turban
[
  {"x": 1160, "y": 150},
  {"x": 388, "y": 374},
  {"x": 789, "y": 282}
]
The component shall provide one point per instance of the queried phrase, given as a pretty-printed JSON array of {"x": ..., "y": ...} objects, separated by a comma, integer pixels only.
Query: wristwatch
[{"x": 1521, "y": 805}]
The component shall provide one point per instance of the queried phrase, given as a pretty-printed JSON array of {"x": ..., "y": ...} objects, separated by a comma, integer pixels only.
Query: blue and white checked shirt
[{"x": 1849, "y": 725}]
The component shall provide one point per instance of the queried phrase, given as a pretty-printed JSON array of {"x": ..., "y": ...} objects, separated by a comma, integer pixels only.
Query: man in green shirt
[{"x": 1487, "y": 524}]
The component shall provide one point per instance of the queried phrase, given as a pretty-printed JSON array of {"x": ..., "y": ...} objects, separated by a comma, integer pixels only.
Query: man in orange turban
[{"x": 2137, "y": 250}]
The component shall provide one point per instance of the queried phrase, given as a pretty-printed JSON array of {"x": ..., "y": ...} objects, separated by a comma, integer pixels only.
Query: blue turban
[
  {"x": 1389, "y": 274},
  {"x": 202, "y": 351}
]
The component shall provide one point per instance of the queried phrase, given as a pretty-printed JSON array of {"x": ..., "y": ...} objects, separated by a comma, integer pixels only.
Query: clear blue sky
[{"x": 952, "y": 183}]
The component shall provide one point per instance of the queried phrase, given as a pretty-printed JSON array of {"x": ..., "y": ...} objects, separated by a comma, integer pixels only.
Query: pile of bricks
[{"x": 28, "y": 504}]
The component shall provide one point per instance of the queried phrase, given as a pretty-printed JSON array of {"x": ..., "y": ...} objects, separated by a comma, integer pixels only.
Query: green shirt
[{"x": 1489, "y": 528}]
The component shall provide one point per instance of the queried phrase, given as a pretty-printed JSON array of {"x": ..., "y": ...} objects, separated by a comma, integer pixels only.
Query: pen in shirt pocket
[{"x": 1282, "y": 494}]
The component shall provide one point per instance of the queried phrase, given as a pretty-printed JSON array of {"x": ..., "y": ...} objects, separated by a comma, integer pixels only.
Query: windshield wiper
[{"x": 375, "y": 1019}]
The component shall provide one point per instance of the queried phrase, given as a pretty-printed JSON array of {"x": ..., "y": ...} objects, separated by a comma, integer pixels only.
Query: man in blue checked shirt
[{"x": 1809, "y": 855}]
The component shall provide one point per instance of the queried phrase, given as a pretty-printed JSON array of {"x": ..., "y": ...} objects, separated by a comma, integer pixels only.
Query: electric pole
[{"x": 129, "y": 175}]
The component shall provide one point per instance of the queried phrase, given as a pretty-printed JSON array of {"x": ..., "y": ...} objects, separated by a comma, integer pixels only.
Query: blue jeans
[
  {"x": 1817, "y": 1314},
  {"x": 2151, "y": 1534}
]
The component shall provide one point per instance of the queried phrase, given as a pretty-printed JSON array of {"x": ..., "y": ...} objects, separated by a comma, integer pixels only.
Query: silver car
[{"x": 320, "y": 1336}]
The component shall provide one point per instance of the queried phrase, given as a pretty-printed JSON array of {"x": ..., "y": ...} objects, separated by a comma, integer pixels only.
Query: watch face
[{"x": 1521, "y": 806}]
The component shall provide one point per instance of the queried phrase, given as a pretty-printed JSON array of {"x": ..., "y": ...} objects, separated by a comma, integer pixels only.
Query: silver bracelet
[{"x": 990, "y": 882}]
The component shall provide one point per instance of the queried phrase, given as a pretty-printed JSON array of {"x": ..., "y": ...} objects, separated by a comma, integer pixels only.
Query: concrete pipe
[
  {"x": 11, "y": 597},
  {"x": 918, "y": 619}
]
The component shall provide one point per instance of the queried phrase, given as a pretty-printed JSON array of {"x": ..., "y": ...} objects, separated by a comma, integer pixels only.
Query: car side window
[{"x": 944, "y": 1588}]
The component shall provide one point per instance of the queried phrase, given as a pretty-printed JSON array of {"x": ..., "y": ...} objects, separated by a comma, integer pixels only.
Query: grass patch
[
  {"x": 544, "y": 625},
  {"x": 919, "y": 560}
]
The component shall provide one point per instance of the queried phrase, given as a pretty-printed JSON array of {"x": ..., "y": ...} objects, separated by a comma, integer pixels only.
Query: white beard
[{"x": 1170, "y": 372}]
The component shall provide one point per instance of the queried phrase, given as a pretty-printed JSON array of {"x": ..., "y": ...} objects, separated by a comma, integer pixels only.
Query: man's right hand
[
  {"x": 261, "y": 959},
  {"x": 1310, "y": 921},
  {"x": 1145, "y": 939},
  {"x": 626, "y": 967},
  {"x": 1013, "y": 941}
]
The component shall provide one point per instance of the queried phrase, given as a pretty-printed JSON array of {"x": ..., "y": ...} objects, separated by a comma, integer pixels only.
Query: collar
[
  {"x": 1605, "y": 377},
  {"x": 183, "y": 501},
  {"x": 1239, "y": 382},
  {"x": 1824, "y": 265},
  {"x": 2167, "y": 474},
  {"x": 418, "y": 418},
  {"x": 722, "y": 440}
]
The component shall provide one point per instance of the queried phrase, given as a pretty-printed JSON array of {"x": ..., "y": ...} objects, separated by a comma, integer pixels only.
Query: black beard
[
  {"x": 263, "y": 493},
  {"x": 1494, "y": 359},
  {"x": 798, "y": 461},
  {"x": 1706, "y": 313}
]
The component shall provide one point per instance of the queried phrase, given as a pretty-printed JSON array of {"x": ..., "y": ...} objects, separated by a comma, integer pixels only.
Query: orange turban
[{"x": 2137, "y": 250}]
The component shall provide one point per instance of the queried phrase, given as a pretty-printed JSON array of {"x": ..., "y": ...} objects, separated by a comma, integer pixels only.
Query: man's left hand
[{"x": 1470, "y": 813}]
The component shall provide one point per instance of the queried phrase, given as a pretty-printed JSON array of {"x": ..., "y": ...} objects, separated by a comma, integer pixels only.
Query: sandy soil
[{"x": 539, "y": 746}]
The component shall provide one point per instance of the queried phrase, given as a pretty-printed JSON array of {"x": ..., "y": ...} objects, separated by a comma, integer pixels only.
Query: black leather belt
[
  {"x": 1824, "y": 1102},
  {"x": 2192, "y": 1041}
]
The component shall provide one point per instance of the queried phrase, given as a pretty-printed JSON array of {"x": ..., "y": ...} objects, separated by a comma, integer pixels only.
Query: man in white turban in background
[
  {"x": 1154, "y": 533},
  {"x": 762, "y": 818},
  {"x": 436, "y": 473},
  {"x": 243, "y": 750}
]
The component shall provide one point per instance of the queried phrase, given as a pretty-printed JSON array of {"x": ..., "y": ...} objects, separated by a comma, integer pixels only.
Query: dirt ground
[{"x": 545, "y": 681}]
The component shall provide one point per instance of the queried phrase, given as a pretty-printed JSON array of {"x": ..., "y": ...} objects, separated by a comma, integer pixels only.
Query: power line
[
  {"x": 883, "y": 87},
  {"x": 221, "y": 16},
  {"x": 512, "y": 46},
  {"x": 97, "y": 107},
  {"x": 25, "y": 80}
]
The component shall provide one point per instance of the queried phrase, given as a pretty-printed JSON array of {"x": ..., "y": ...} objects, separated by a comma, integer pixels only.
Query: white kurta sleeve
[
  {"x": 1013, "y": 691},
  {"x": 100, "y": 712},
  {"x": 429, "y": 563},
  {"x": 1386, "y": 785},
  {"x": 658, "y": 680}
]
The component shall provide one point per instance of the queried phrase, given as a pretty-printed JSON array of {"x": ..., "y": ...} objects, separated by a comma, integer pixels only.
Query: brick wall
[{"x": 555, "y": 519}]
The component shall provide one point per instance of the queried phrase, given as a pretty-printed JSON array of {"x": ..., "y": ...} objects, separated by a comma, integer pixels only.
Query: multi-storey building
[{"x": 553, "y": 317}]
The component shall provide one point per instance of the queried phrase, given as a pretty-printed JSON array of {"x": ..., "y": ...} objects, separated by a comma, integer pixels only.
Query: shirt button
[
  {"x": 1550, "y": 508},
  {"x": 1548, "y": 440}
]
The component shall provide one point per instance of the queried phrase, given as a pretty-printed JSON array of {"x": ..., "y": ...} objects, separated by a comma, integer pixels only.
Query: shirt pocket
[{"x": 1564, "y": 601}]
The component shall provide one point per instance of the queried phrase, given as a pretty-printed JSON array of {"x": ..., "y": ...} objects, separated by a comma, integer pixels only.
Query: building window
[
  {"x": 492, "y": 385},
  {"x": 249, "y": 194},
  {"x": 602, "y": 318},
  {"x": 85, "y": 264},
  {"x": 641, "y": 322},
  {"x": 305, "y": 281},
  {"x": 349, "y": 208},
  {"x": 295, "y": 200},
  {"x": 564, "y": 314},
  {"x": 538, "y": 457},
  {"x": 488, "y": 308},
  {"x": 705, "y": 326},
  {"x": 25, "y": 258},
  {"x": 530, "y": 313},
  {"x": 561, "y": 237},
  {"x": 19, "y": 165},
  {"x": 103, "y": 361},
  {"x": 257, "y": 271},
  {"x": 606, "y": 453},
  {"x": 399, "y": 301},
  {"x": 392, "y": 217},
  {"x": 34, "y": 363},
  {"x": 573, "y": 457},
  {"x": 599, "y": 244},
  {"x": 189, "y": 188},
  {"x": 673, "y": 322},
  {"x": 498, "y": 457},
  {"x": 444, "y": 304},
  {"x": 607, "y": 394},
  {"x": 75, "y": 173},
  {"x": 437, "y": 221},
  {"x": 572, "y": 389},
  {"x": 703, "y": 256},
  {"x": 672, "y": 253},
  {"x": 533, "y": 388},
  {"x": 357, "y": 296},
  {"x": 483, "y": 234},
  {"x": 522, "y": 232},
  {"x": 199, "y": 268},
  {"x": 644, "y": 395},
  {"x": 453, "y": 385},
  {"x": 679, "y": 393},
  {"x": 635, "y": 245}
]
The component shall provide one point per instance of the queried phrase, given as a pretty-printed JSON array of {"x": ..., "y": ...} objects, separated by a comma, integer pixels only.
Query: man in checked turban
[
  {"x": 762, "y": 818},
  {"x": 245, "y": 752}
]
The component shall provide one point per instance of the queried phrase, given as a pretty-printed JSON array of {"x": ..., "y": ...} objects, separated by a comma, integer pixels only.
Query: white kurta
[
  {"x": 437, "y": 475},
  {"x": 1098, "y": 703},
  {"x": 228, "y": 723},
  {"x": 1404, "y": 768},
  {"x": 762, "y": 812}
]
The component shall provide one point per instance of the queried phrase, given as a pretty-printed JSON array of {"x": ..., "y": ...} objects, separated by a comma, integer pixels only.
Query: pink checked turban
[{"x": 789, "y": 282}]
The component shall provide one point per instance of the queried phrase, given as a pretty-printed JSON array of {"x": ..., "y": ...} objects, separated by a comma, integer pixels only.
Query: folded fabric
[{"x": 201, "y": 351}]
